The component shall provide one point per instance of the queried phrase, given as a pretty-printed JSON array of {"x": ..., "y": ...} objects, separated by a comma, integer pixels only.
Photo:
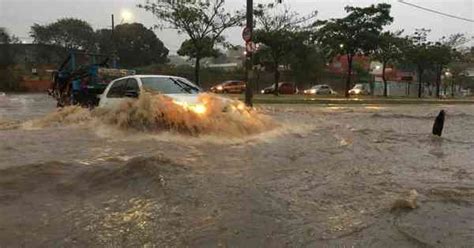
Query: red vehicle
[
  {"x": 283, "y": 88},
  {"x": 231, "y": 86}
]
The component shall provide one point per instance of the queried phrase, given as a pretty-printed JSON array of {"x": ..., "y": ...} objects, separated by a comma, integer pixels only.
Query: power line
[{"x": 436, "y": 12}]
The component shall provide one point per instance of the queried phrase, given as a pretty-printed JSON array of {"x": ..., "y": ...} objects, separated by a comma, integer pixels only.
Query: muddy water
[{"x": 327, "y": 176}]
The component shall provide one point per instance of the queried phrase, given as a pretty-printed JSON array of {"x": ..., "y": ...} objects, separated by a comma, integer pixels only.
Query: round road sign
[{"x": 247, "y": 34}]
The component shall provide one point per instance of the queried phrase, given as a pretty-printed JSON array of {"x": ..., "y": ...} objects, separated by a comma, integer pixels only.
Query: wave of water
[{"x": 153, "y": 113}]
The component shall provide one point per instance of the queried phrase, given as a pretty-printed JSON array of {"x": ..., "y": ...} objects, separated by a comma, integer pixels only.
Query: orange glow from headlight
[
  {"x": 199, "y": 109},
  {"x": 241, "y": 106}
]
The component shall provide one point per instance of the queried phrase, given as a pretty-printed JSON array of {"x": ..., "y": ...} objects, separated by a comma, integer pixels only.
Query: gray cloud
[{"x": 18, "y": 15}]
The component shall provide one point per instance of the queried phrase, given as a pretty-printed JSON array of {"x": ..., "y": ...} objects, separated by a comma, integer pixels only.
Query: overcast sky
[{"x": 18, "y": 15}]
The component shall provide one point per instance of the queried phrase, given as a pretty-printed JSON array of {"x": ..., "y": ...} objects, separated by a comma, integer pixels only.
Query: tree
[
  {"x": 457, "y": 68},
  {"x": 5, "y": 56},
  {"x": 443, "y": 53},
  {"x": 417, "y": 51},
  {"x": 306, "y": 59},
  {"x": 201, "y": 21},
  {"x": 69, "y": 33},
  {"x": 354, "y": 34},
  {"x": 198, "y": 50},
  {"x": 279, "y": 31},
  {"x": 135, "y": 45},
  {"x": 6, "y": 59},
  {"x": 388, "y": 50}
]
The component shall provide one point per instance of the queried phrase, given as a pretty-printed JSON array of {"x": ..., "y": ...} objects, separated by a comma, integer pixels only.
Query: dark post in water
[{"x": 439, "y": 124}]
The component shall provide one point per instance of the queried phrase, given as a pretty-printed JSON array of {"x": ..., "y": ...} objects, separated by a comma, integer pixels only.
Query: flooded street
[{"x": 324, "y": 176}]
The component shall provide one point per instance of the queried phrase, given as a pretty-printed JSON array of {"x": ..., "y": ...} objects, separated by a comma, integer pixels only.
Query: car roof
[
  {"x": 145, "y": 76},
  {"x": 148, "y": 76}
]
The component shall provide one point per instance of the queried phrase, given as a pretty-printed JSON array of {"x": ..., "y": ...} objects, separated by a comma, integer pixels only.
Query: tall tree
[
  {"x": 5, "y": 56},
  {"x": 354, "y": 34},
  {"x": 306, "y": 59},
  {"x": 443, "y": 53},
  {"x": 69, "y": 33},
  {"x": 458, "y": 68},
  {"x": 388, "y": 50},
  {"x": 135, "y": 44},
  {"x": 201, "y": 49},
  {"x": 417, "y": 52},
  {"x": 279, "y": 30},
  {"x": 201, "y": 21},
  {"x": 6, "y": 60}
]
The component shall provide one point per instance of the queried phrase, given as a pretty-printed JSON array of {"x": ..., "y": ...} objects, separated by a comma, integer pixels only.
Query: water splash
[
  {"x": 64, "y": 116},
  {"x": 154, "y": 113}
]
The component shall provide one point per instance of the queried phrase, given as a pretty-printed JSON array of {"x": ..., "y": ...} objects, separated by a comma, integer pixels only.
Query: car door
[
  {"x": 324, "y": 89},
  {"x": 286, "y": 88},
  {"x": 115, "y": 94},
  {"x": 233, "y": 87},
  {"x": 132, "y": 89},
  {"x": 241, "y": 86}
]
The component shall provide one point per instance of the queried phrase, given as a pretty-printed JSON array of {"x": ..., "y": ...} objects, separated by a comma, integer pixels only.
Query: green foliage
[
  {"x": 7, "y": 75},
  {"x": 306, "y": 60},
  {"x": 389, "y": 47},
  {"x": 135, "y": 45},
  {"x": 201, "y": 21},
  {"x": 284, "y": 40},
  {"x": 356, "y": 33},
  {"x": 198, "y": 49},
  {"x": 388, "y": 50},
  {"x": 5, "y": 52},
  {"x": 69, "y": 33}
]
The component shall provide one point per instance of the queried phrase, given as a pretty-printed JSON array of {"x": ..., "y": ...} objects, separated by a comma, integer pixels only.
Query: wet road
[{"x": 327, "y": 176}]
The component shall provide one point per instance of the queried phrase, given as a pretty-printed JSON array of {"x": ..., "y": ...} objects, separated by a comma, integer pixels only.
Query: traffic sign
[
  {"x": 250, "y": 47},
  {"x": 247, "y": 34}
]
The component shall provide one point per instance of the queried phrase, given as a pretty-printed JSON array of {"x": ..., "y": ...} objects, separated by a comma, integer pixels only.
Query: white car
[
  {"x": 181, "y": 90},
  {"x": 360, "y": 89},
  {"x": 320, "y": 89}
]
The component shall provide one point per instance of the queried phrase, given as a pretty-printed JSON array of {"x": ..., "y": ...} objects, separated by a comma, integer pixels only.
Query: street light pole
[
  {"x": 114, "y": 52},
  {"x": 248, "y": 57}
]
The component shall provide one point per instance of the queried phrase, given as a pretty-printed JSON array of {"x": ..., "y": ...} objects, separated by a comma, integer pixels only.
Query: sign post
[{"x": 247, "y": 37}]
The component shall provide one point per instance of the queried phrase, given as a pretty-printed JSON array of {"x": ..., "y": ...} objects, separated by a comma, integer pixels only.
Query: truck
[{"x": 83, "y": 77}]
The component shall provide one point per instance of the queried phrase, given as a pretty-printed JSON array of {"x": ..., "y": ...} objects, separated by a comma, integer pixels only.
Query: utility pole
[
  {"x": 248, "y": 56},
  {"x": 114, "y": 52}
]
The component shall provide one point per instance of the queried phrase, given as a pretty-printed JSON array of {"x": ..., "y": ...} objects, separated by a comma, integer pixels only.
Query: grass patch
[{"x": 302, "y": 99}]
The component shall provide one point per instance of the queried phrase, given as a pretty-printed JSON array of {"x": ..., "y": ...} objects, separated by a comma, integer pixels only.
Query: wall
[{"x": 35, "y": 85}]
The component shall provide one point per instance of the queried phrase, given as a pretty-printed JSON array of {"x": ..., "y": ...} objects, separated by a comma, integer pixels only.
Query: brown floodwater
[{"x": 315, "y": 176}]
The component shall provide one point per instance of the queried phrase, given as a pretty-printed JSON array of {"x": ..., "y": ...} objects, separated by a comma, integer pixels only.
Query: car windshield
[
  {"x": 169, "y": 85},
  {"x": 358, "y": 86}
]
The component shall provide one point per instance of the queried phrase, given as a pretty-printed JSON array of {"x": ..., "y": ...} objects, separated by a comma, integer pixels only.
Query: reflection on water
[{"x": 326, "y": 176}]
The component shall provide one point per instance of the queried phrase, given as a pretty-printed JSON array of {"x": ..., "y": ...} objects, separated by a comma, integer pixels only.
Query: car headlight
[
  {"x": 263, "y": 91},
  {"x": 312, "y": 91},
  {"x": 219, "y": 87},
  {"x": 196, "y": 108}
]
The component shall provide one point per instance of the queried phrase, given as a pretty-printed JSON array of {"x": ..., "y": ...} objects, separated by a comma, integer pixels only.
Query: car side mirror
[{"x": 131, "y": 93}]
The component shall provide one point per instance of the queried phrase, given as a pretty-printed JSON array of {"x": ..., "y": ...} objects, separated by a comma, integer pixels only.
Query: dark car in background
[
  {"x": 283, "y": 88},
  {"x": 231, "y": 86}
]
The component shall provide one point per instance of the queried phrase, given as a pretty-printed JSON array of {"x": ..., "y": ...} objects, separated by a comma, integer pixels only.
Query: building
[{"x": 32, "y": 64}]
